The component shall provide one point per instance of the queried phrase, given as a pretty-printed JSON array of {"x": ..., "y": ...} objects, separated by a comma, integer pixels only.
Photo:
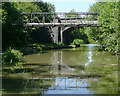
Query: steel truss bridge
[
  {"x": 64, "y": 19},
  {"x": 60, "y": 22}
]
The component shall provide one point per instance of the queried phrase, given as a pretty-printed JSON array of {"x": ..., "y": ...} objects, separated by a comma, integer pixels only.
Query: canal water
[{"x": 83, "y": 70}]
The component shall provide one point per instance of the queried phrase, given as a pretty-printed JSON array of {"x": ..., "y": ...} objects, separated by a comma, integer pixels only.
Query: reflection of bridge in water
[
  {"x": 71, "y": 83},
  {"x": 62, "y": 73},
  {"x": 48, "y": 85},
  {"x": 62, "y": 83},
  {"x": 68, "y": 79},
  {"x": 59, "y": 66},
  {"x": 61, "y": 22}
]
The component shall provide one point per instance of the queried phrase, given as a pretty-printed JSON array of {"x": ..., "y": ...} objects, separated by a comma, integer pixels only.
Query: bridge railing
[{"x": 47, "y": 18}]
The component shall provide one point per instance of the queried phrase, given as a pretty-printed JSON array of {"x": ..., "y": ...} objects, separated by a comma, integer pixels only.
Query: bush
[
  {"x": 77, "y": 42},
  {"x": 37, "y": 49},
  {"x": 59, "y": 43},
  {"x": 32, "y": 49},
  {"x": 12, "y": 57}
]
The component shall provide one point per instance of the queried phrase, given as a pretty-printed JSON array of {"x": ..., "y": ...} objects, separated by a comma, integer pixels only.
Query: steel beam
[{"x": 90, "y": 23}]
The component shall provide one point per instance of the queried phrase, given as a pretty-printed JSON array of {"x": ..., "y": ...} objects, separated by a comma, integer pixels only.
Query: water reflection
[
  {"x": 66, "y": 85},
  {"x": 89, "y": 58},
  {"x": 84, "y": 70},
  {"x": 58, "y": 66}
]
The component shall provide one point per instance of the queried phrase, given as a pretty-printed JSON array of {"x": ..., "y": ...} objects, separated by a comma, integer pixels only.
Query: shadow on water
[{"x": 84, "y": 70}]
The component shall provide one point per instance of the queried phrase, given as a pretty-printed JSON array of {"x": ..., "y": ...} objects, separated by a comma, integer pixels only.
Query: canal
[{"x": 83, "y": 70}]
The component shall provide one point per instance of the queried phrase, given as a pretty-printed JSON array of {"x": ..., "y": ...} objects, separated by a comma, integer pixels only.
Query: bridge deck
[{"x": 82, "y": 23}]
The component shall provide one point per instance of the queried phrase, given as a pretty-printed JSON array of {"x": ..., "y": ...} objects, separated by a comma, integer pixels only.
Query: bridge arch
[{"x": 66, "y": 34}]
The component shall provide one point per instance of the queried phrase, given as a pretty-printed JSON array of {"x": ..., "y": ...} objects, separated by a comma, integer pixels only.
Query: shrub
[
  {"x": 77, "y": 42},
  {"x": 37, "y": 49},
  {"x": 12, "y": 57},
  {"x": 33, "y": 49},
  {"x": 59, "y": 43}
]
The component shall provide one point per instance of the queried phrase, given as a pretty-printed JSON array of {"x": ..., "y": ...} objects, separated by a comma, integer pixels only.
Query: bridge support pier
[
  {"x": 58, "y": 32},
  {"x": 61, "y": 35},
  {"x": 55, "y": 32}
]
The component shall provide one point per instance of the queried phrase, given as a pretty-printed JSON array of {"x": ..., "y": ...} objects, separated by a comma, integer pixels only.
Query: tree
[
  {"x": 107, "y": 33},
  {"x": 72, "y": 14},
  {"x": 14, "y": 34},
  {"x": 13, "y": 31}
]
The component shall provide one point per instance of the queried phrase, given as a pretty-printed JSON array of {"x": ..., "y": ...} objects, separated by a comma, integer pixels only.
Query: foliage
[
  {"x": 59, "y": 43},
  {"x": 45, "y": 7},
  {"x": 107, "y": 34},
  {"x": 77, "y": 42},
  {"x": 14, "y": 34},
  {"x": 80, "y": 34},
  {"x": 27, "y": 7},
  {"x": 37, "y": 34},
  {"x": 13, "y": 31},
  {"x": 12, "y": 57},
  {"x": 34, "y": 49},
  {"x": 51, "y": 46},
  {"x": 72, "y": 14},
  {"x": 77, "y": 33}
]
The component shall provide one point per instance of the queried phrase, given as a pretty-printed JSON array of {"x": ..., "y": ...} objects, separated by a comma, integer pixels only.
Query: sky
[{"x": 67, "y": 5}]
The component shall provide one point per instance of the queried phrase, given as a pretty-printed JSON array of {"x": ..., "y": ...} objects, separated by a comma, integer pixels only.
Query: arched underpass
[
  {"x": 67, "y": 36},
  {"x": 71, "y": 33}
]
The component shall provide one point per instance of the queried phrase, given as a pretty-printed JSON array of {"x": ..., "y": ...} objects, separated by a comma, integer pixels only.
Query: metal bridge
[
  {"x": 64, "y": 19},
  {"x": 60, "y": 22}
]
